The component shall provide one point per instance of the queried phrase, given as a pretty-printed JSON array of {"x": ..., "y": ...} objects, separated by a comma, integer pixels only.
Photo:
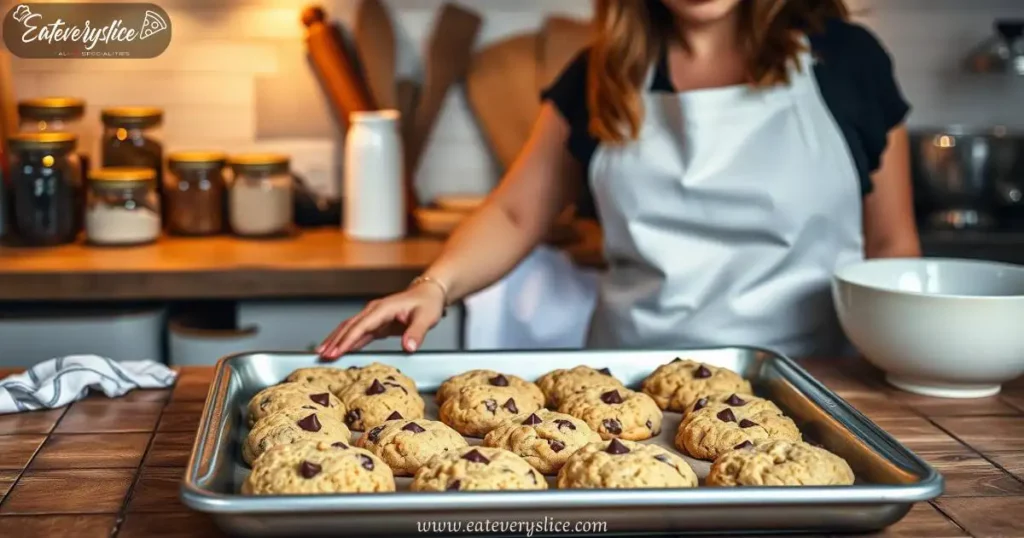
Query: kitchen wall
[{"x": 235, "y": 77}]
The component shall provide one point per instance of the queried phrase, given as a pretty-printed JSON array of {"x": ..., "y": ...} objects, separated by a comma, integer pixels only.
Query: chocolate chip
[
  {"x": 367, "y": 462},
  {"x": 532, "y": 475},
  {"x": 510, "y": 406},
  {"x": 611, "y": 397},
  {"x": 605, "y": 371},
  {"x": 310, "y": 407},
  {"x": 353, "y": 416},
  {"x": 308, "y": 469},
  {"x": 744, "y": 444},
  {"x": 664, "y": 459},
  {"x": 701, "y": 373},
  {"x": 340, "y": 445},
  {"x": 310, "y": 423},
  {"x": 395, "y": 415},
  {"x": 397, "y": 386},
  {"x": 701, "y": 404},
  {"x": 476, "y": 457},
  {"x": 677, "y": 359},
  {"x": 562, "y": 423},
  {"x": 391, "y": 378},
  {"x": 498, "y": 381},
  {"x": 747, "y": 423},
  {"x": 649, "y": 425},
  {"x": 353, "y": 367},
  {"x": 374, "y": 434},
  {"x": 726, "y": 415},
  {"x": 616, "y": 447},
  {"x": 532, "y": 420},
  {"x": 375, "y": 388},
  {"x": 323, "y": 399},
  {"x": 413, "y": 427},
  {"x": 735, "y": 401},
  {"x": 556, "y": 446},
  {"x": 491, "y": 405},
  {"x": 454, "y": 486},
  {"x": 612, "y": 426}
]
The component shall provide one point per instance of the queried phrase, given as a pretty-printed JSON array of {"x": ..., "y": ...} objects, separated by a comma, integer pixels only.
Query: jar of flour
[
  {"x": 123, "y": 207},
  {"x": 261, "y": 197}
]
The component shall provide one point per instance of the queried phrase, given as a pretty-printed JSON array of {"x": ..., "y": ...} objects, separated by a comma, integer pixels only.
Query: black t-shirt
[{"x": 854, "y": 74}]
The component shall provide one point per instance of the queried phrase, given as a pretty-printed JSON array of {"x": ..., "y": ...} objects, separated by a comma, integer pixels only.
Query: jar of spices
[
  {"x": 58, "y": 115},
  {"x": 131, "y": 137},
  {"x": 123, "y": 207},
  {"x": 194, "y": 193},
  {"x": 261, "y": 198},
  {"x": 45, "y": 186}
]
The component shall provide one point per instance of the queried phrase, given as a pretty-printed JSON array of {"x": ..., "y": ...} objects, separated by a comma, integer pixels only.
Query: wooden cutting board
[
  {"x": 561, "y": 39},
  {"x": 502, "y": 90},
  {"x": 375, "y": 41}
]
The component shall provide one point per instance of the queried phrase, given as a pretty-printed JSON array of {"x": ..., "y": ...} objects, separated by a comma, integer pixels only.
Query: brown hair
[{"x": 632, "y": 33}]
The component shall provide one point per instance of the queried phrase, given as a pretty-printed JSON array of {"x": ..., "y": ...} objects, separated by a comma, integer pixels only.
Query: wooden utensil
[
  {"x": 8, "y": 102},
  {"x": 502, "y": 90},
  {"x": 447, "y": 59},
  {"x": 562, "y": 38},
  {"x": 375, "y": 41},
  {"x": 334, "y": 67}
]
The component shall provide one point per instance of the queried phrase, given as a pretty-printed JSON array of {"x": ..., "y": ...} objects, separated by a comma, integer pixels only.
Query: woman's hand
[{"x": 409, "y": 314}]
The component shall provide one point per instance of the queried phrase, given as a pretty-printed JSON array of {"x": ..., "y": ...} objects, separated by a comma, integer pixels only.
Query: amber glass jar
[
  {"x": 194, "y": 193},
  {"x": 46, "y": 188}
]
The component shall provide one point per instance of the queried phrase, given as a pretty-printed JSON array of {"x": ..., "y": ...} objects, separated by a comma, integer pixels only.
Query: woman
[{"x": 735, "y": 152}]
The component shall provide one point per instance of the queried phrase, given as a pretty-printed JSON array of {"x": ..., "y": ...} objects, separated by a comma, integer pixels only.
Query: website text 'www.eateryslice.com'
[{"x": 524, "y": 528}]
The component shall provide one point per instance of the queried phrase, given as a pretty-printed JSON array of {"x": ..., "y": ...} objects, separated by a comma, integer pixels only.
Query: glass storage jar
[
  {"x": 261, "y": 198},
  {"x": 194, "y": 193},
  {"x": 132, "y": 137},
  {"x": 58, "y": 115},
  {"x": 46, "y": 186},
  {"x": 123, "y": 207}
]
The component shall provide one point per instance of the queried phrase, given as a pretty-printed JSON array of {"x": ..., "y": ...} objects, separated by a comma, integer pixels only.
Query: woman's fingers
[
  {"x": 332, "y": 350},
  {"x": 332, "y": 339},
  {"x": 419, "y": 323},
  {"x": 365, "y": 326}
]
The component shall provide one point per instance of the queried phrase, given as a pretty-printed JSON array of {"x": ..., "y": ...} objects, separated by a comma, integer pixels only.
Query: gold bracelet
[{"x": 430, "y": 280}]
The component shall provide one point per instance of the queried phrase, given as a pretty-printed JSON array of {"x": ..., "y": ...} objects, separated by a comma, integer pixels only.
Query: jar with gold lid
[
  {"x": 46, "y": 188},
  {"x": 194, "y": 193},
  {"x": 123, "y": 207},
  {"x": 51, "y": 114},
  {"x": 261, "y": 198}
]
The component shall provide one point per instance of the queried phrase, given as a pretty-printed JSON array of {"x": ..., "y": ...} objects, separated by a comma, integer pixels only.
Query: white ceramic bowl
[{"x": 940, "y": 327}]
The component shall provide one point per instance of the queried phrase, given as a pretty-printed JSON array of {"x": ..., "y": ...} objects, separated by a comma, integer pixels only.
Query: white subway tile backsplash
[{"x": 207, "y": 79}]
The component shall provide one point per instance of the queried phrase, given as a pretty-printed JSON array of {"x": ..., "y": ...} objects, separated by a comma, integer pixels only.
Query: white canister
[{"x": 374, "y": 175}]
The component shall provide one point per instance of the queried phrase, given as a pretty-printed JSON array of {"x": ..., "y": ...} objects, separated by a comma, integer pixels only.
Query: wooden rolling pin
[{"x": 336, "y": 70}]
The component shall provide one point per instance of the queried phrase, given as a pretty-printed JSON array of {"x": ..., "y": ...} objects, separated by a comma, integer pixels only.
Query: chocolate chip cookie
[
  {"x": 558, "y": 384},
  {"x": 405, "y": 445},
  {"x": 545, "y": 439},
  {"x": 337, "y": 379},
  {"x": 677, "y": 384},
  {"x": 477, "y": 409},
  {"x": 308, "y": 467},
  {"x": 290, "y": 396},
  {"x": 718, "y": 428},
  {"x": 780, "y": 463},
  {"x": 615, "y": 412},
  {"x": 732, "y": 399},
  {"x": 625, "y": 464},
  {"x": 488, "y": 377},
  {"x": 290, "y": 426},
  {"x": 372, "y": 401},
  {"x": 477, "y": 469}
]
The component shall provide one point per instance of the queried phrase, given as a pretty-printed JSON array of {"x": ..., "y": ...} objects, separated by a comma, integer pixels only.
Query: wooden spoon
[{"x": 375, "y": 41}]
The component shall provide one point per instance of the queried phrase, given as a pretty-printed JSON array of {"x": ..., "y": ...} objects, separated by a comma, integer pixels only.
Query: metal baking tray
[{"x": 890, "y": 478}]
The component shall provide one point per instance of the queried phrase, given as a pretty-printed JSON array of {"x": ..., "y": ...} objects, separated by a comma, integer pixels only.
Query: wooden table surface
[
  {"x": 103, "y": 467},
  {"x": 316, "y": 263}
]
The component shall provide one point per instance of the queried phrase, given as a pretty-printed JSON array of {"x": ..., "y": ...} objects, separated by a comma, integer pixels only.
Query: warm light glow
[
  {"x": 48, "y": 161},
  {"x": 945, "y": 141},
  {"x": 122, "y": 133},
  {"x": 42, "y": 126}
]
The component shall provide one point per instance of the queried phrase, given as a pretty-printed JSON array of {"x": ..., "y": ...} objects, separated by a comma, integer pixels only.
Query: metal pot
[{"x": 962, "y": 175}]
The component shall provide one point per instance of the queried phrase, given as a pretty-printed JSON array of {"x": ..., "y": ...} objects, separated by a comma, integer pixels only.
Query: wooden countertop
[
  {"x": 104, "y": 467},
  {"x": 315, "y": 263}
]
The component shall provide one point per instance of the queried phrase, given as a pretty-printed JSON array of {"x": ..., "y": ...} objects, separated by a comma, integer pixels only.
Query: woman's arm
[
  {"x": 890, "y": 230},
  {"x": 483, "y": 249}
]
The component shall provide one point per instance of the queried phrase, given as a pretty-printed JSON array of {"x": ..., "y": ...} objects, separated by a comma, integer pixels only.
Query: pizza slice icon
[{"x": 152, "y": 24}]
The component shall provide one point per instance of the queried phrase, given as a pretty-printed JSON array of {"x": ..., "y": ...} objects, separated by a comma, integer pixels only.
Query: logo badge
[{"x": 77, "y": 30}]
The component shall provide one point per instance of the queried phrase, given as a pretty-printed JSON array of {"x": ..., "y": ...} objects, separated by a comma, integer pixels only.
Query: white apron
[{"x": 724, "y": 221}]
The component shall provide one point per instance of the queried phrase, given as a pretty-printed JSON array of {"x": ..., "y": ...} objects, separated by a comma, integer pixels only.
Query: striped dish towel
[{"x": 58, "y": 382}]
